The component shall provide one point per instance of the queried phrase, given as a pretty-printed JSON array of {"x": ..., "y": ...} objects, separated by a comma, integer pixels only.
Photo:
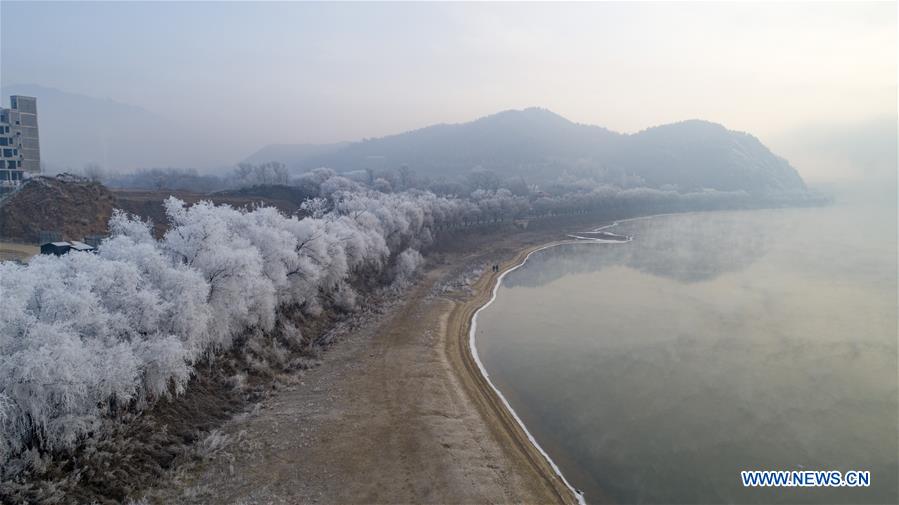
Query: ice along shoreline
[{"x": 515, "y": 264}]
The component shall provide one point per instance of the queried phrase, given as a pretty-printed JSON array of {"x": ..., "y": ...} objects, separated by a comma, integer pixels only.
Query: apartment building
[{"x": 20, "y": 148}]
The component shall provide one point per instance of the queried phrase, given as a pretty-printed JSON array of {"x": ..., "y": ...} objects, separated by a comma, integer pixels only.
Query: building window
[{"x": 4, "y": 141}]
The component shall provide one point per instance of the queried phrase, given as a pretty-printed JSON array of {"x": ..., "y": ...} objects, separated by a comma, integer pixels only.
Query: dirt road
[{"x": 396, "y": 414}]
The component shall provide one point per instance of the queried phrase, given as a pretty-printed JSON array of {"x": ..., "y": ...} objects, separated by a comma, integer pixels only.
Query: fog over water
[{"x": 656, "y": 370}]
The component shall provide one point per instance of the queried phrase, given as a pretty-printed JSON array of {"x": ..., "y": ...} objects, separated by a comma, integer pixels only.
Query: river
[{"x": 656, "y": 370}]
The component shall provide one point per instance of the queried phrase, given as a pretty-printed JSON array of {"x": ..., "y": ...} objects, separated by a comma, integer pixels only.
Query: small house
[
  {"x": 60, "y": 248},
  {"x": 57, "y": 248}
]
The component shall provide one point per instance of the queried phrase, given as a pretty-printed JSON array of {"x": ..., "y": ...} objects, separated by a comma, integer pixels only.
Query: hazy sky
[{"x": 256, "y": 73}]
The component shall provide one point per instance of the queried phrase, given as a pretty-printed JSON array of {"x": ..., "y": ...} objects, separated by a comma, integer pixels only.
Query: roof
[
  {"x": 74, "y": 244},
  {"x": 81, "y": 246}
]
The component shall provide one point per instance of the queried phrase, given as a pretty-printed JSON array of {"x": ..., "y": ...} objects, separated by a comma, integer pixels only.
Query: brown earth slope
[
  {"x": 71, "y": 206},
  {"x": 75, "y": 207}
]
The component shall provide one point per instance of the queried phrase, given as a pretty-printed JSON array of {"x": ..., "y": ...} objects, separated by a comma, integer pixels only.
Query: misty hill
[
  {"x": 78, "y": 129},
  {"x": 702, "y": 154},
  {"x": 510, "y": 142},
  {"x": 293, "y": 155},
  {"x": 541, "y": 146}
]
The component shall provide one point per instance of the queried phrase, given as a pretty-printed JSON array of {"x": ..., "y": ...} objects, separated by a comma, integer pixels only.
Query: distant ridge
[
  {"x": 78, "y": 129},
  {"x": 541, "y": 146},
  {"x": 292, "y": 154}
]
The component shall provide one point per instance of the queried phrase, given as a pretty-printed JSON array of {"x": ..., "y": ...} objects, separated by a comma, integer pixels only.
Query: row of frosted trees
[
  {"x": 83, "y": 336},
  {"x": 484, "y": 206}
]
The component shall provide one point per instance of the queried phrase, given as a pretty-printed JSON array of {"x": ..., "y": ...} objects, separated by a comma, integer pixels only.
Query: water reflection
[
  {"x": 655, "y": 371},
  {"x": 683, "y": 251}
]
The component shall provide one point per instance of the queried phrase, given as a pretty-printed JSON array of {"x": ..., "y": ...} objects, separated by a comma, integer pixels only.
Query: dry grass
[{"x": 17, "y": 251}]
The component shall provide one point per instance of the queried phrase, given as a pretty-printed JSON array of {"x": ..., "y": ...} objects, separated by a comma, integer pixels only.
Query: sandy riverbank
[
  {"x": 496, "y": 411},
  {"x": 397, "y": 413}
]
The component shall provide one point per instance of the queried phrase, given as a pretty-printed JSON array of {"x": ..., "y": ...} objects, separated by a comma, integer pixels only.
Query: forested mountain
[
  {"x": 698, "y": 153},
  {"x": 535, "y": 144},
  {"x": 541, "y": 146}
]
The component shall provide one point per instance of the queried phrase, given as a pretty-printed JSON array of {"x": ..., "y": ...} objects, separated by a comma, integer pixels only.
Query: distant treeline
[{"x": 569, "y": 183}]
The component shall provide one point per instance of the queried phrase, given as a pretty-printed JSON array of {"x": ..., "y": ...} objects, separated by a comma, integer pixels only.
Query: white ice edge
[
  {"x": 602, "y": 240},
  {"x": 638, "y": 218},
  {"x": 474, "y": 352}
]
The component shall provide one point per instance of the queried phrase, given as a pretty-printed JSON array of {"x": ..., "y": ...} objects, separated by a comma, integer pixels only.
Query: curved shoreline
[
  {"x": 473, "y": 352},
  {"x": 463, "y": 352},
  {"x": 507, "y": 426},
  {"x": 505, "y": 414}
]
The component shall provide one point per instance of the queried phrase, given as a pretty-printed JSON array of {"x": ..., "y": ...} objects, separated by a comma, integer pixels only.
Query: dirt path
[{"x": 396, "y": 414}]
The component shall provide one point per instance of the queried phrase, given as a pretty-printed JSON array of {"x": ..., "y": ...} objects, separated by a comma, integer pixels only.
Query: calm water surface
[{"x": 655, "y": 371}]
